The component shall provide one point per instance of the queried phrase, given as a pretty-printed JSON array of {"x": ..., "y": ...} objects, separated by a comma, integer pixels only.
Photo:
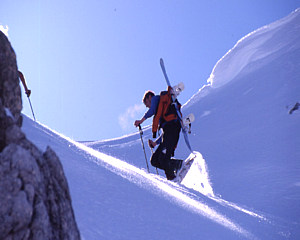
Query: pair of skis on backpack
[{"x": 186, "y": 127}]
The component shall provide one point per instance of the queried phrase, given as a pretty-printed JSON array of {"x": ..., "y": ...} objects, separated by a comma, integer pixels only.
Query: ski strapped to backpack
[
  {"x": 187, "y": 121},
  {"x": 176, "y": 106}
]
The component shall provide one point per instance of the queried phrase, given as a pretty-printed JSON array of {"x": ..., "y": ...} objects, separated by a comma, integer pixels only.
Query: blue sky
[{"x": 89, "y": 62}]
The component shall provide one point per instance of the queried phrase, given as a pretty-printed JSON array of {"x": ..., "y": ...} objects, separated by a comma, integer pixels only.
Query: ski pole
[
  {"x": 141, "y": 134},
  {"x": 27, "y": 91},
  {"x": 31, "y": 108}
]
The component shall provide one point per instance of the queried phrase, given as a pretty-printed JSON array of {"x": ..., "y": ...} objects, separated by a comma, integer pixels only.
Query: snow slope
[
  {"x": 249, "y": 162},
  {"x": 115, "y": 200}
]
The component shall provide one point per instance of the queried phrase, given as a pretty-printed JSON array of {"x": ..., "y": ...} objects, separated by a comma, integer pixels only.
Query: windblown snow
[{"x": 244, "y": 183}]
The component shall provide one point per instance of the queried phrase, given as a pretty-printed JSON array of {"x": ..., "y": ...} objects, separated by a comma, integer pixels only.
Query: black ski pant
[{"x": 161, "y": 158}]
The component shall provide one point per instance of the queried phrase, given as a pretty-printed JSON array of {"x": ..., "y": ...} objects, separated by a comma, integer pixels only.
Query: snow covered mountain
[{"x": 245, "y": 183}]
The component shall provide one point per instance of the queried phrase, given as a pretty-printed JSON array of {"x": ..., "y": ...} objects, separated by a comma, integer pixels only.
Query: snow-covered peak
[
  {"x": 253, "y": 51},
  {"x": 278, "y": 37}
]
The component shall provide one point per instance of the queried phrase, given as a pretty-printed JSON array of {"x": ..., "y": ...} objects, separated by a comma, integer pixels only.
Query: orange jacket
[{"x": 163, "y": 110}]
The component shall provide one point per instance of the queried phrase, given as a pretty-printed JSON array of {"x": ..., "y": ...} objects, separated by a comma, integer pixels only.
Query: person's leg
[
  {"x": 176, "y": 164},
  {"x": 160, "y": 160},
  {"x": 170, "y": 140},
  {"x": 157, "y": 158}
]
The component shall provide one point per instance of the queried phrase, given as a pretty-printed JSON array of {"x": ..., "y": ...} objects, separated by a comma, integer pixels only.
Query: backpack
[{"x": 166, "y": 110}]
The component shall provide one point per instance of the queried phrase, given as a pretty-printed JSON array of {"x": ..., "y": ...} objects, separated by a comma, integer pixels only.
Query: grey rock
[{"x": 35, "y": 201}]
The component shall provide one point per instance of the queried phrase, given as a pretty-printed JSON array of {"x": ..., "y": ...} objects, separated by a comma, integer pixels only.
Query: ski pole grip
[{"x": 140, "y": 129}]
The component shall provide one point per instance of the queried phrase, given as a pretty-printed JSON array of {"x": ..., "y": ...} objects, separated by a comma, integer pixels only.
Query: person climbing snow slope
[{"x": 165, "y": 118}]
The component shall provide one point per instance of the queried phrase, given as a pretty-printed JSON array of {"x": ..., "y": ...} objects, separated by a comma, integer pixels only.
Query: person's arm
[
  {"x": 139, "y": 122},
  {"x": 152, "y": 110},
  {"x": 149, "y": 113},
  {"x": 21, "y": 76}
]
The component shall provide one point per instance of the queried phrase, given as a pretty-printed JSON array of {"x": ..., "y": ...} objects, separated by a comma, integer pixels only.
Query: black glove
[
  {"x": 28, "y": 92},
  {"x": 154, "y": 135}
]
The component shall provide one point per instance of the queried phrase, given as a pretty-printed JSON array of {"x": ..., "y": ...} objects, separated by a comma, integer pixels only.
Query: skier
[
  {"x": 21, "y": 76},
  {"x": 165, "y": 117}
]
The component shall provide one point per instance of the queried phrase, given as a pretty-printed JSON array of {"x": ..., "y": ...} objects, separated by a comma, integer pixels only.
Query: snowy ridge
[
  {"x": 256, "y": 45},
  {"x": 268, "y": 41}
]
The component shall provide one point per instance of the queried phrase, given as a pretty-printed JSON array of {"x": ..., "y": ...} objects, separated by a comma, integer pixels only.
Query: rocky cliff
[{"x": 35, "y": 201}]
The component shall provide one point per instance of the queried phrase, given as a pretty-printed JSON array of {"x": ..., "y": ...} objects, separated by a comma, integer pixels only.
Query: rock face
[{"x": 35, "y": 201}]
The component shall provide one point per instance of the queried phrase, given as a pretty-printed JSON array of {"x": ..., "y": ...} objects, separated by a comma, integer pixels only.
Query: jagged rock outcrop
[{"x": 35, "y": 201}]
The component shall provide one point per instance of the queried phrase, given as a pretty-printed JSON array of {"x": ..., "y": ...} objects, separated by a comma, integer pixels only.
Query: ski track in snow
[{"x": 180, "y": 195}]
